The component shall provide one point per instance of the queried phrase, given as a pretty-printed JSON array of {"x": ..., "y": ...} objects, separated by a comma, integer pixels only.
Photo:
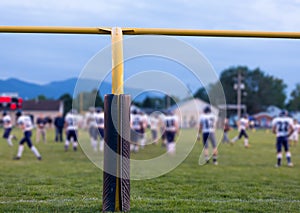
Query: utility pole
[
  {"x": 239, "y": 86},
  {"x": 239, "y": 93}
]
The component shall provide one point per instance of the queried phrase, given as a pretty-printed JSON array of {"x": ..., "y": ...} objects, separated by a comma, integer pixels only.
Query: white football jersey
[
  {"x": 282, "y": 125},
  {"x": 90, "y": 119},
  {"x": 295, "y": 135},
  {"x": 135, "y": 121},
  {"x": 99, "y": 117},
  {"x": 145, "y": 120},
  {"x": 296, "y": 128},
  {"x": 25, "y": 121},
  {"x": 208, "y": 122},
  {"x": 71, "y": 122},
  {"x": 153, "y": 122},
  {"x": 7, "y": 121},
  {"x": 171, "y": 123},
  {"x": 243, "y": 124}
]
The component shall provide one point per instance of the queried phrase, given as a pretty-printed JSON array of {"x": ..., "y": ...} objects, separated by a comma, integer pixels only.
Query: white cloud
[
  {"x": 275, "y": 15},
  {"x": 233, "y": 14},
  {"x": 213, "y": 14},
  {"x": 91, "y": 6},
  {"x": 64, "y": 12}
]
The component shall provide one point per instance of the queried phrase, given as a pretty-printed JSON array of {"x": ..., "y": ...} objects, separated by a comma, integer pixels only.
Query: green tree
[
  {"x": 98, "y": 100},
  {"x": 137, "y": 103},
  {"x": 152, "y": 102},
  {"x": 170, "y": 100},
  {"x": 294, "y": 102},
  {"x": 85, "y": 100},
  {"x": 147, "y": 103},
  {"x": 67, "y": 101},
  {"x": 41, "y": 97},
  {"x": 261, "y": 90},
  {"x": 201, "y": 93}
]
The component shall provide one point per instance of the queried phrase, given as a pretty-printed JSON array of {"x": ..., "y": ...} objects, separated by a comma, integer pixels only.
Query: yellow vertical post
[
  {"x": 117, "y": 89},
  {"x": 117, "y": 61}
]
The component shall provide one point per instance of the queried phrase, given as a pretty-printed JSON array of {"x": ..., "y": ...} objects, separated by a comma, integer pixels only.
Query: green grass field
[{"x": 244, "y": 181}]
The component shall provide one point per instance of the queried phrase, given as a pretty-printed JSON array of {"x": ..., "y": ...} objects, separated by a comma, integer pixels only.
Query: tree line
[
  {"x": 82, "y": 102},
  {"x": 260, "y": 90}
]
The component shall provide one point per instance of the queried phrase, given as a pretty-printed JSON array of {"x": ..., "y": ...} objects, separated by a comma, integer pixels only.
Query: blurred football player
[
  {"x": 41, "y": 128},
  {"x": 144, "y": 124},
  {"x": 282, "y": 126},
  {"x": 207, "y": 128},
  {"x": 135, "y": 125},
  {"x": 71, "y": 130},
  {"x": 161, "y": 123},
  {"x": 226, "y": 129},
  {"x": 25, "y": 123},
  {"x": 171, "y": 128},
  {"x": 99, "y": 117},
  {"x": 59, "y": 123},
  {"x": 243, "y": 124},
  {"x": 91, "y": 125},
  {"x": 293, "y": 139},
  {"x": 154, "y": 128},
  {"x": 7, "y": 124}
]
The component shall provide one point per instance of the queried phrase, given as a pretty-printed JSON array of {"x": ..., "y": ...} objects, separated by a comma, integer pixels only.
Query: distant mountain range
[{"x": 55, "y": 89}]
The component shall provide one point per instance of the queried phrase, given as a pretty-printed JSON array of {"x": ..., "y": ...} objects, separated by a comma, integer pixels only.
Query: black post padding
[
  {"x": 116, "y": 175},
  {"x": 125, "y": 152},
  {"x": 110, "y": 160}
]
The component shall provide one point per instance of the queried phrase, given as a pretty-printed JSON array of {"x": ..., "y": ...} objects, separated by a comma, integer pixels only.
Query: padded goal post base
[{"x": 116, "y": 175}]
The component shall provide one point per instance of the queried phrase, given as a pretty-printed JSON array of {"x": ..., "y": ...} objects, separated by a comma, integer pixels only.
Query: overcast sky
[{"x": 45, "y": 58}]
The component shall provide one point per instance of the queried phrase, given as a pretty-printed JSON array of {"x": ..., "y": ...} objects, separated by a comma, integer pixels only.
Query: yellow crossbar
[
  {"x": 56, "y": 30},
  {"x": 150, "y": 31}
]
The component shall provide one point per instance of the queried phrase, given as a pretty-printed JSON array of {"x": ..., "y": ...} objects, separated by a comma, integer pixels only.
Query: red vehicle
[{"x": 10, "y": 101}]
